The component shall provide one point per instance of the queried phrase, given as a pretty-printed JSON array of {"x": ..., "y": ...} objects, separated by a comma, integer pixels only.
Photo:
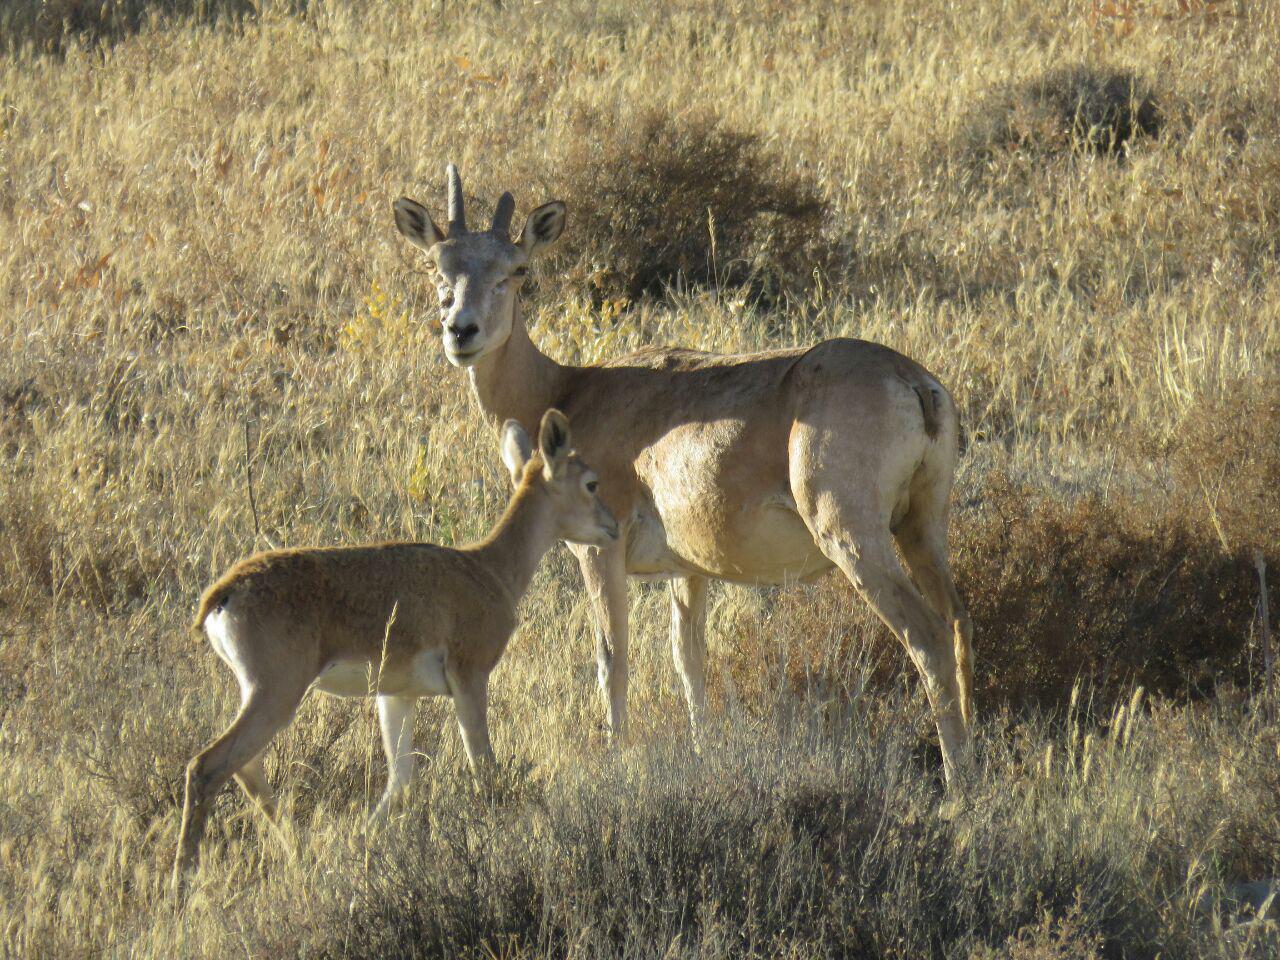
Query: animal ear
[
  {"x": 553, "y": 440},
  {"x": 517, "y": 448},
  {"x": 415, "y": 223},
  {"x": 543, "y": 227}
]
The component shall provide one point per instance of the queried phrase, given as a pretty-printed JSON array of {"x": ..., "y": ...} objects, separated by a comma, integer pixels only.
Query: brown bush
[
  {"x": 52, "y": 25},
  {"x": 656, "y": 201},
  {"x": 1079, "y": 107},
  {"x": 1109, "y": 591}
]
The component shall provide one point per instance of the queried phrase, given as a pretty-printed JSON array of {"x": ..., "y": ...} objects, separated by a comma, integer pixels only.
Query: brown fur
[{"x": 395, "y": 620}]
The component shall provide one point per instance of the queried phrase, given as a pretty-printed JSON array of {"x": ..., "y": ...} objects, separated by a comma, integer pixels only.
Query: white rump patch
[{"x": 219, "y": 628}]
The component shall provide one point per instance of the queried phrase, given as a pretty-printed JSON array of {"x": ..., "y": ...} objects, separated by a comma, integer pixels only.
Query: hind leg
[
  {"x": 263, "y": 714},
  {"x": 848, "y": 476},
  {"x": 252, "y": 778},
  {"x": 869, "y": 563},
  {"x": 846, "y": 502},
  {"x": 922, "y": 538}
]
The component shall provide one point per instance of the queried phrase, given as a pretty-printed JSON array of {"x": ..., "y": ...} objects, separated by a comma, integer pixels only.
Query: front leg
[
  {"x": 604, "y": 571},
  {"x": 395, "y": 717},
  {"x": 689, "y": 646},
  {"x": 471, "y": 704}
]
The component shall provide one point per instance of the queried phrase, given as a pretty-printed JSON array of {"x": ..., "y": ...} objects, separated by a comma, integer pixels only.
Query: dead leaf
[{"x": 89, "y": 276}]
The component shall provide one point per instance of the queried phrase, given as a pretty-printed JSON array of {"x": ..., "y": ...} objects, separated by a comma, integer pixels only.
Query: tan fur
[
  {"x": 394, "y": 620},
  {"x": 763, "y": 468}
]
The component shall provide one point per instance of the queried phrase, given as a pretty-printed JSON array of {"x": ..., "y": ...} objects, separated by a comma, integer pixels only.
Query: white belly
[{"x": 422, "y": 675}]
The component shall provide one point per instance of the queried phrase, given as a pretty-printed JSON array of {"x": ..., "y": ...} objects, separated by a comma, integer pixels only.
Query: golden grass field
[{"x": 200, "y": 273}]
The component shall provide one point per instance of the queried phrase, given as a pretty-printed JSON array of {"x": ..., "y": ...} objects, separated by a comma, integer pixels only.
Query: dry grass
[
  {"x": 1226, "y": 464},
  {"x": 199, "y": 239}
]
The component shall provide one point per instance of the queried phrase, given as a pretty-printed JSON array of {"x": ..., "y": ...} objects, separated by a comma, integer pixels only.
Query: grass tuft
[{"x": 1113, "y": 591}]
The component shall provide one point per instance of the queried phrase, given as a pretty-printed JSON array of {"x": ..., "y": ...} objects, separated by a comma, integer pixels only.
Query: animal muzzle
[
  {"x": 609, "y": 525},
  {"x": 461, "y": 338}
]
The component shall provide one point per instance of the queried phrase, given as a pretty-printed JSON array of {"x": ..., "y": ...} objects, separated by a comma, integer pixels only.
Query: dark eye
[
  {"x": 446, "y": 299},
  {"x": 519, "y": 272},
  {"x": 591, "y": 485}
]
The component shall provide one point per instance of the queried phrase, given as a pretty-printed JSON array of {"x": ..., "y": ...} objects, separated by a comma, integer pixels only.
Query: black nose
[{"x": 463, "y": 334}]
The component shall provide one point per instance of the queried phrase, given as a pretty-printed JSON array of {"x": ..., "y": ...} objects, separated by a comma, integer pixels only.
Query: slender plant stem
[
  {"x": 1268, "y": 663},
  {"x": 248, "y": 478}
]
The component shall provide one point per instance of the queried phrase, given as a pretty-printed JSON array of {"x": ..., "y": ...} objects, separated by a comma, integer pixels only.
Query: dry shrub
[
  {"x": 806, "y": 843},
  {"x": 53, "y": 25},
  {"x": 1112, "y": 591},
  {"x": 657, "y": 201},
  {"x": 1080, "y": 107}
]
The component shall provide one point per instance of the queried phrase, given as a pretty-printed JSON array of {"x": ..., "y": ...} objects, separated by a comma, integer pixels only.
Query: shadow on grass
[{"x": 52, "y": 26}]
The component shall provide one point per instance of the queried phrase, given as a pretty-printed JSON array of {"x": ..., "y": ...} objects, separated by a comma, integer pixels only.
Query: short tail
[
  {"x": 928, "y": 397},
  {"x": 934, "y": 409},
  {"x": 212, "y": 599},
  {"x": 964, "y": 666}
]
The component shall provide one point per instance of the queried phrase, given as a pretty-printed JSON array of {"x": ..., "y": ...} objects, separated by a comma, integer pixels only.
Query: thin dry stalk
[
  {"x": 1260, "y": 564},
  {"x": 248, "y": 481}
]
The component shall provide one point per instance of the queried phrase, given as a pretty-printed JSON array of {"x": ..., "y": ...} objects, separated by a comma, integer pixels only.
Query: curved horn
[
  {"x": 457, "y": 218},
  {"x": 502, "y": 215}
]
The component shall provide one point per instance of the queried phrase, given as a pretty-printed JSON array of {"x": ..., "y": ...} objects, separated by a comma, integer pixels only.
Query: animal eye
[
  {"x": 519, "y": 271},
  {"x": 446, "y": 299},
  {"x": 592, "y": 485}
]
